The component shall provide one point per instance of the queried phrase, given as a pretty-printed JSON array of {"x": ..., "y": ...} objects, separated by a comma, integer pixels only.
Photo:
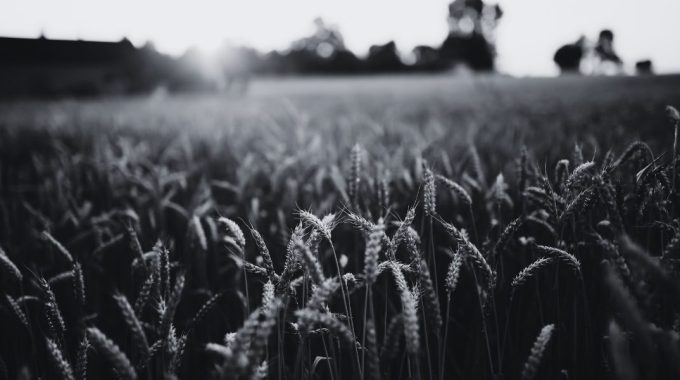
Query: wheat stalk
[
  {"x": 430, "y": 299},
  {"x": 60, "y": 248},
  {"x": 199, "y": 232},
  {"x": 578, "y": 205},
  {"x": 323, "y": 226},
  {"x": 578, "y": 174},
  {"x": 164, "y": 269},
  {"x": 392, "y": 338},
  {"x": 470, "y": 251},
  {"x": 58, "y": 361},
  {"x": 530, "y": 271},
  {"x": 171, "y": 306},
  {"x": 537, "y": 350},
  {"x": 53, "y": 314},
  {"x": 562, "y": 255},
  {"x": 453, "y": 273},
  {"x": 112, "y": 353},
  {"x": 631, "y": 150},
  {"x": 507, "y": 234},
  {"x": 78, "y": 284},
  {"x": 373, "y": 361},
  {"x": 618, "y": 346},
  {"x": 401, "y": 233},
  {"x": 458, "y": 190},
  {"x": 355, "y": 174},
  {"x": 18, "y": 312},
  {"x": 311, "y": 263},
  {"x": 383, "y": 194},
  {"x": 372, "y": 253},
  {"x": 322, "y": 293},
  {"x": 544, "y": 224},
  {"x": 134, "y": 325},
  {"x": 178, "y": 355},
  {"x": 429, "y": 193},
  {"x": 9, "y": 267},
  {"x": 232, "y": 231},
  {"x": 145, "y": 293},
  {"x": 477, "y": 166},
  {"x": 135, "y": 245},
  {"x": 606, "y": 194},
  {"x": 245, "y": 348},
  {"x": 293, "y": 260},
  {"x": 307, "y": 319},
  {"x": 629, "y": 312},
  {"x": 255, "y": 269},
  {"x": 81, "y": 358},
  {"x": 205, "y": 309},
  {"x": 264, "y": 253},
  {"x": 409, "y": 306}
]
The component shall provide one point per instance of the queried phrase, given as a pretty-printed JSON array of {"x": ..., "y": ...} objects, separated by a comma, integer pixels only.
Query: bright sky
[{"x": 528, "y": 34}]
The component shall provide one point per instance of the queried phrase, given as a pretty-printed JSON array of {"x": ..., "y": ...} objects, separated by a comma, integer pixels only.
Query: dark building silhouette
[
  {"x": 43, "y": 51},
  {"x": 644, "y": 67},
  {"x": 45, "y": 67}
]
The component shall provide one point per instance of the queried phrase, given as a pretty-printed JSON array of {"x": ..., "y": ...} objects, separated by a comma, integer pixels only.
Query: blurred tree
[
  {"x": 568, "y": 57},
  {"x": 426, "y": 58},
  {"x": 322, "y": 52},
  {"x": 325, "y": 40},
  {"x": 472, "y": 34},
  {"x": 384, "y": 58}
]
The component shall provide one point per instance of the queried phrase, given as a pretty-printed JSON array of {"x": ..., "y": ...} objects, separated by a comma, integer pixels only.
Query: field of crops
[{"x": 394, "y": 228}]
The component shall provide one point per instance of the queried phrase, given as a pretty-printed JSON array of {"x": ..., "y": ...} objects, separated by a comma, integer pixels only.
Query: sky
[{"x": 528, "y": 34}]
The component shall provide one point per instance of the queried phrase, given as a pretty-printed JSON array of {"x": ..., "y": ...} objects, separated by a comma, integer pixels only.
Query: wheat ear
[
  {"x": 112, "y": 353},
  {"x": 537, "y": 350}
]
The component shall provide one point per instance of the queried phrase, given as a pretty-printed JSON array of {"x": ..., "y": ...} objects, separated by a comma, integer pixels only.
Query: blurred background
[{"x": 90, "y": 48}]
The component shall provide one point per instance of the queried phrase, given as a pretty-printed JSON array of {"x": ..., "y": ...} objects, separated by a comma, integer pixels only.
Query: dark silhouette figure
[
  {"x": 568, "y": 57},
  {"x": 607, "y": 61},
  {"x": 604, "y": 49}
]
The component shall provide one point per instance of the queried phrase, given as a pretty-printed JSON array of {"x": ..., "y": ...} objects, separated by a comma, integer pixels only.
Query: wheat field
[{"x": 394, "y": 228}]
